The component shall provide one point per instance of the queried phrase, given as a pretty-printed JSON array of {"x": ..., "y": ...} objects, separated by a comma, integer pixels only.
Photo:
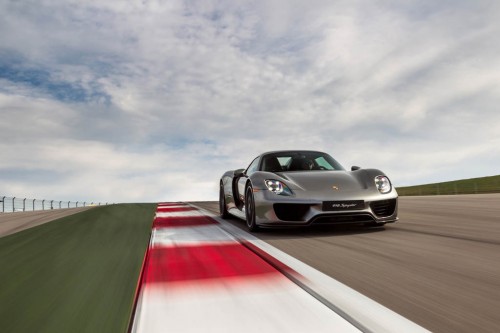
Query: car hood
[{"x": 324, "y": 180}]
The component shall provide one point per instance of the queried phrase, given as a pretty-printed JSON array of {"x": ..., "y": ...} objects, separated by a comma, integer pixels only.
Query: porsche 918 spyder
[{"x": 301, "y": 188}]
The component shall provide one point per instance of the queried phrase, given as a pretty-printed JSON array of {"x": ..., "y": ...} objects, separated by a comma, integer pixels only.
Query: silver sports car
[{"x": 299, "y": 188}]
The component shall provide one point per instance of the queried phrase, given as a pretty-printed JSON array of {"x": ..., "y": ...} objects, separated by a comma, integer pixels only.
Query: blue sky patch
[{"x": 43, "y": 82}]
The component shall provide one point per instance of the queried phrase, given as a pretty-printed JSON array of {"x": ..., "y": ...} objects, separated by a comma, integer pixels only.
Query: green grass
[
  {"x": 75, "y": 274},
  {"x": 465, "y": 186}
]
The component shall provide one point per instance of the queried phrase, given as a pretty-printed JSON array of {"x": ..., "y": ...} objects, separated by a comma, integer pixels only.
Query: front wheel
[
  {"x": 250, "y": 210},
  {"x": 222, "y": 203}
]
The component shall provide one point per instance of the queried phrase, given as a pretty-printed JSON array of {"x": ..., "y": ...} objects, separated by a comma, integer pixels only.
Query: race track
[{"x": 439, "y": 266}]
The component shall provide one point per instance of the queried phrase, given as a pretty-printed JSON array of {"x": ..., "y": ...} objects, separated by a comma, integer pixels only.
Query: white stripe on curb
[
  {"x": 187, "y": 213},
  {"x": 189, "y": 235},
  {"x": 272, "y": 305}
]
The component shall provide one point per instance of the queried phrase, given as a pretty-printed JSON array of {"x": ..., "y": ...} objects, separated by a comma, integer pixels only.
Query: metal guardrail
[{"x": 14, "y": 204}]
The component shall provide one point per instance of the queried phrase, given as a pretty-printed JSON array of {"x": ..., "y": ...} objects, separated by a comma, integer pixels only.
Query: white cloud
[{"x": 153, "y": 100}]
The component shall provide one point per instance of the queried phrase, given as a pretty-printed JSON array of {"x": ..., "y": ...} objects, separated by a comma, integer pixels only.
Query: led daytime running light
[{"x": 277, "y": 187}]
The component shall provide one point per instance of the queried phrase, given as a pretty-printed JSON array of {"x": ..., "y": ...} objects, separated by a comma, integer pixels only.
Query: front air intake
[
  {"x": 291, "y": 212},
  {"x": 383, "y": 208}
]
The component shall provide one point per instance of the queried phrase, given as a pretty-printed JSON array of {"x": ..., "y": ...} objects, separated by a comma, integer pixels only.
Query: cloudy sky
[{"x": 148, "y": 100}]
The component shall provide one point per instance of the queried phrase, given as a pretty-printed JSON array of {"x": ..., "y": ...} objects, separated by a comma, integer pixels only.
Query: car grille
[
  {"x": 291, "y": 212},
  {"x": 383, "y": 207}
]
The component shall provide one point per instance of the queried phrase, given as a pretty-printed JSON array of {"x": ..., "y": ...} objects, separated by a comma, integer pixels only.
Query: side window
[
  {"x": 324, "y": 163},
  {"x": 253, "y": 166}
]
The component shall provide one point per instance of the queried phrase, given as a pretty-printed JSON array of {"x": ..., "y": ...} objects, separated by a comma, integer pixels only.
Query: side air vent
[{"x": 383, "y": 208}]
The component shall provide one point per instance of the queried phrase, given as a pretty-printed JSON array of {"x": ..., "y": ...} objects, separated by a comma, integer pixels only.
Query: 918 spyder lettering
[{"x": 343, "y": 205}]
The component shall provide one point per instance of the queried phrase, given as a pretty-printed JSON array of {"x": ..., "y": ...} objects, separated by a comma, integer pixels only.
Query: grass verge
[
  {"x": 75, "y": 274},
  {"x": 465, "y": 186}
]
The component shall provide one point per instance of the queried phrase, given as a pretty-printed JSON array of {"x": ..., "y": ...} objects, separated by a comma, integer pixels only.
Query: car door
[{"x": 242, "y": 180}]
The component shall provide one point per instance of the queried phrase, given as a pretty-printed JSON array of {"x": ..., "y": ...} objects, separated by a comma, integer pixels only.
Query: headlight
[
  {"x": 383, "y": 184},
  {"x": 277, "y": 187}
]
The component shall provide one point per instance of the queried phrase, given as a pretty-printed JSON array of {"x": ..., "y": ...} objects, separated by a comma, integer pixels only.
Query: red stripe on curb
[
  {"x": 184, "y": 263},
  {"x": 183, "y": 221}
]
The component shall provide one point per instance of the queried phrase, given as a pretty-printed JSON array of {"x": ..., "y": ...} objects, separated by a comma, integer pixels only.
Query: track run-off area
[{"x": 438, "y": 268}]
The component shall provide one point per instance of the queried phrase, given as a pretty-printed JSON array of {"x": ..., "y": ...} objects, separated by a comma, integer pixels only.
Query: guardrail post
[
  {"x": 77, "y": 204},
  {"x": 68, "y": 204},
  {"x": 13, "y": 204},
  {"x": 24, "y": 205},
  {"x": 84, "y": 203},
  {"x": 34, "y": 204},
  {"x": 51, "y": 204},
  {"x": 43, "y": 204},
  {"x": 3, "y": 205},
  {"x": 60, "y": 204}
]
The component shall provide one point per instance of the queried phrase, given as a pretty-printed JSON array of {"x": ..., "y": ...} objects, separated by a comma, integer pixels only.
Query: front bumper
[{"x": 280, "y": 211}]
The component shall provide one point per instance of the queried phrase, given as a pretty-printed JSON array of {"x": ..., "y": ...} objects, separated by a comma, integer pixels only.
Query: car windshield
[{"x": 299, "y": 161}]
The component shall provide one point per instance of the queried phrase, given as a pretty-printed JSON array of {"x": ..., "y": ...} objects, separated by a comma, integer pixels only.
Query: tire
[
  {"x": 250, "y": 210},
  {"x": 222, "y": 203}
]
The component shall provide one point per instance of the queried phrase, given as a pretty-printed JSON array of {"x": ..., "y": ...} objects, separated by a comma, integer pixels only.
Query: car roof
[{"x": 291, "y": 151}]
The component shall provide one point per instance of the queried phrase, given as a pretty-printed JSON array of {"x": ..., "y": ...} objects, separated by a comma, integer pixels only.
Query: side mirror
[
  {"x": 354, "y": 168},
  {"x": 239, "y": 173}
]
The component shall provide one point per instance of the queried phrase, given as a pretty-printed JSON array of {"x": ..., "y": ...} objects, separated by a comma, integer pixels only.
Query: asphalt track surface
[
  {"x": 14, "y": 222},
  {"x": 439, "y": 266}
]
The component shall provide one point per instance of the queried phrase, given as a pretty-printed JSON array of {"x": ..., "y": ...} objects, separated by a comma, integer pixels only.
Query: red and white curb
[{"x": 201, "y": 274}]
